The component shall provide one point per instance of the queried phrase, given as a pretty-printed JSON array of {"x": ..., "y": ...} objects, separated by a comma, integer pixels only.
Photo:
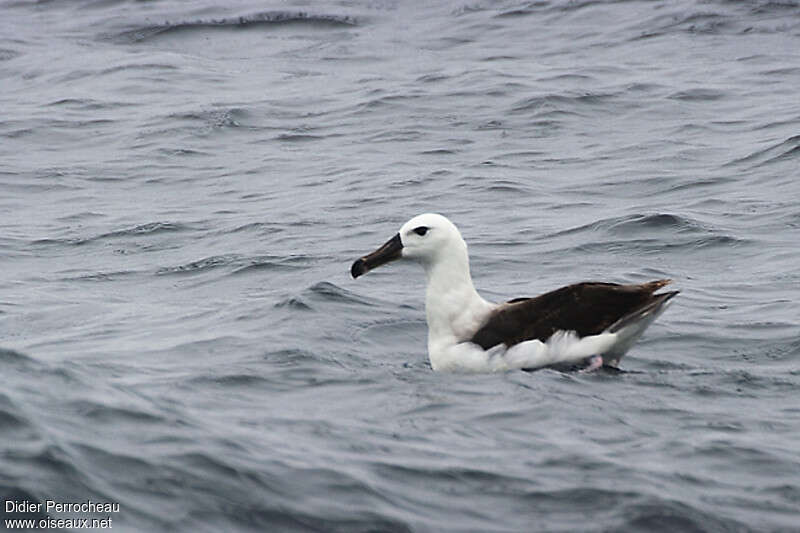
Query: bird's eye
[{"x": 422, "y": 230}]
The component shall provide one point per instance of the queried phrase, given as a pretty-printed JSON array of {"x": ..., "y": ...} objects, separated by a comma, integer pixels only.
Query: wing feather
[{"x": 587, "y": 308}]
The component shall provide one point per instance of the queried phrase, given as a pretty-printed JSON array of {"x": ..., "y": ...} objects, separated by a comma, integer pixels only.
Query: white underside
[{"x": 562, "y": 347}]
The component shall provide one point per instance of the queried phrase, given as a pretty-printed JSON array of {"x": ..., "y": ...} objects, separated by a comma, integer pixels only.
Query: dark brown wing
[{"x": 587, "y": 308}]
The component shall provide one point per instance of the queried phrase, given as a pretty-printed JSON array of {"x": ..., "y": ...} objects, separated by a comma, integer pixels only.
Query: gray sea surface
[{"x": 184, "y": 185}]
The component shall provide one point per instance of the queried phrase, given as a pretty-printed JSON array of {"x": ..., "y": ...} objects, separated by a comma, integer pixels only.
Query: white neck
[{"x": 453, "y": 307}]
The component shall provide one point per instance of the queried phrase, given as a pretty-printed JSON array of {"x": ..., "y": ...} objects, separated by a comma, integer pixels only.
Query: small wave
[
  {"x": 491, "y": 125},
  {"x": 234, "y": 379},
  {"x": 11, "y": 356},
  {"x": 290, "y": 356},
  {"x": 385, "y": 102},
  {"x": 700, "y": 183},
  {"x": 696, "y": 22},
  {"x": 561, "y": 103},
  {"x": 439, "y": 151},
  {"x": 111, "y": 460},
  {"x": 100, "y": 276},
  {"x": 15, "y": 364},
  {"x": 56, "y": 460},
  {"x": 266, "y": 19},
  {"x": 149, "y": 228},
  {"x": 761, "y": 459},
  {"x": 751, "y": 382},
  {"x": 213, "y": 466},
  {"x": 656, "y": 221},
  {"x": 521, "y": 12},
  {"x": 138, "y": 66},
  {"x": 102, "y": 413},
  {"x": 83, "y": 104},
  {"x": 784, "y": 150},
  {"x": 288, "y": 368},
  {"x": 11, "y": 422},
  {"x": 432, "y": 78},
  {"x": 201, "y": 265},
  {"x": 645, "y": 87},
  {"x": 80, "y": 216},
  {"x": 295, "y": 303},
  {"x": 6, "y": 54},
  {"x": 240, "y": 264},
  {"x": 215, "y": 118},
  {"x": 10, "y": 417},
  {"x": 445, "y": 476},
  {"x": 507, "y": 186},
  {"x": 639, "y": 240},
  {"x": 664, "y": 515},
  {"x": 272, "y": 263},
  {"x": 637, "y": 223},
  {"x": 782, "y": 71},
  {"x": 298, "y": 137},
  {"x": 774, "y": 8},
  {"x": 543, "y": 6},
  {"x": 260, "y": 227},
  {"x": 705, "y": 22},
  {"x": 182, "y": 152},
  {"x": 19, "y": 133},
  {"x": 403, "y": 135},
  {"x": 325, "y": 290},
  {"x": 320, "y": 294},
  {"x": 657, "y": 245},
  {"x": 698, "y": 95}
]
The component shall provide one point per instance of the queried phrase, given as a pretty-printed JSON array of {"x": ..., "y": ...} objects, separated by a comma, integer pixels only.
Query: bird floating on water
[{"x": 591, "y": 323}]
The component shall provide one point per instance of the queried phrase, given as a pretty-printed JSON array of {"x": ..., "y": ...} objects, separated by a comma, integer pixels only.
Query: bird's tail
[{"x": 631, "y": 326}]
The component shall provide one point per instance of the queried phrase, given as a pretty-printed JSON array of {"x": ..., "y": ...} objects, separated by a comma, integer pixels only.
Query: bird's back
[{"x": 588, "y": 308}]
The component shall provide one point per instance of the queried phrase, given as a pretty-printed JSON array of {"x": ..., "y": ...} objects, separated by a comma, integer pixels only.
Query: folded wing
[{"x": 587, "y": 308}]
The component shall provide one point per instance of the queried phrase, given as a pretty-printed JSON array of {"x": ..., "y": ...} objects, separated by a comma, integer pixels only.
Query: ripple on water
[
  {"x": 257, "y": 20},
  {"x": 786, "y": 150},
  {"x": 237, "y": 264},
  {"x": 670, "y": 516},
  {"x": 142, "y": 230}
]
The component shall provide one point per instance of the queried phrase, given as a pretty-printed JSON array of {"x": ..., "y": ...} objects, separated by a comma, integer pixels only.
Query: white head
[{"x": 427, "y": 238}]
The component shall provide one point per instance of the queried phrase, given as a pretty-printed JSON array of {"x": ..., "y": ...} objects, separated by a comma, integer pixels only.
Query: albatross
[{"x": 589, "y": 324}]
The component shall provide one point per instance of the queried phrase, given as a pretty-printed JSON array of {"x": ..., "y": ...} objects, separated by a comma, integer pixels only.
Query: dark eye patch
[{"x": 422, "y": 230}]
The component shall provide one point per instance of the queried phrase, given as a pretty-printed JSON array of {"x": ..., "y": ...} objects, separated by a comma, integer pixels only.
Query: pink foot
[{"x": 595, "y": 362}]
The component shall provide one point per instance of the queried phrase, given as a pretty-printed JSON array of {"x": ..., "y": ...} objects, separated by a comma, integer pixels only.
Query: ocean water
[{"x": 184, "y": 185}]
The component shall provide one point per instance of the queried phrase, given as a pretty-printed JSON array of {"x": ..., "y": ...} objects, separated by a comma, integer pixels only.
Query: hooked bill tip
[
  {"x": 390, "y": 251},
  {"x": 358, "y": 268}
]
